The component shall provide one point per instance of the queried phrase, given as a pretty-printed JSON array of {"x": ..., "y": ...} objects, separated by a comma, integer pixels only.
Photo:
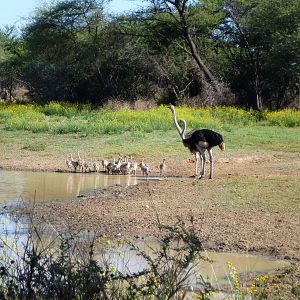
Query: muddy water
[
  {"x": 215, "y": 270},
  {"x": 128, "y": 261},
  {"x": 45, "y": 186}
]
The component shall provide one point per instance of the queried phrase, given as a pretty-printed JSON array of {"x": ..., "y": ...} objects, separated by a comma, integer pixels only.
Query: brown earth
[{"x": 132, "y": 212}]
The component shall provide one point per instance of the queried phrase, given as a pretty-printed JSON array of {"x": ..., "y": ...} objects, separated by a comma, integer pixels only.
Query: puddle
[
  {"x": 214, "y": 271},
  {"x": 129, "y": 261},
  {"x": 46, "y": 186}
]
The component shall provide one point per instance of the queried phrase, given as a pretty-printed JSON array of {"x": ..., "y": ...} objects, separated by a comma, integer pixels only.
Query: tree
[
  {"x": 57, "y": 61},
  {"x": 182, "y": 24},
  {"x": 75, "y": 53},
  {"x": 10, "y": 62},
  {"x": 259, "y": 40}
]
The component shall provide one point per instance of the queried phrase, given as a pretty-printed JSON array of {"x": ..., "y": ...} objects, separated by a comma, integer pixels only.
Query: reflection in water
[
  {"x": 45, "y": 186},
  {"x": 128, "y": 261},
  {"x": 214, "y": 271}
]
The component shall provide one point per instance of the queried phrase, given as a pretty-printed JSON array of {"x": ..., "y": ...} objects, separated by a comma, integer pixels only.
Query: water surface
[
  {"x": 214, "y": 271},
  {"x": 45, "y": 186},
  {"x": 49, "y": 186}
]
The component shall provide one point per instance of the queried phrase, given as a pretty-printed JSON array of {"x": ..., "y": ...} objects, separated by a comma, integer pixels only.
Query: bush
[{"x": 66, "y": 267}]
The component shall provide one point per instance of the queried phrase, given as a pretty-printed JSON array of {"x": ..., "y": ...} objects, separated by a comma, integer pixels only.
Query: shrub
[{"x": 66, "y": 267}]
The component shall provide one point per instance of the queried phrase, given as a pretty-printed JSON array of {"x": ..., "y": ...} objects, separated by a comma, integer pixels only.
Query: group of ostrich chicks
[
  {"x": 198, "y": 141},
  {"x": 123, "y": 165}
]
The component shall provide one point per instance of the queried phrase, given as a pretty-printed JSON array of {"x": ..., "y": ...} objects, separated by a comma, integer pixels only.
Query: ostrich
[
  {"x": 125, "y": 168},
  {"x": 104, "y": 164},
  {"x": 133, "y": 165},
  {"x": 74, "y": 163},
  {"x": 114, "y": 167},
  {"x": 199, "y": 140},
  {"x": 96, "y": 166},
  {"x": 162, "y": 167},
  {"x": 145, "y": 169},
  {"x": 68, "y": 161},
  {"x": 80, "y": 162}
]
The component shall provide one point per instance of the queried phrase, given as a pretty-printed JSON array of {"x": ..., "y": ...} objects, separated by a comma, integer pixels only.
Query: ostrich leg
[
  {"x": 203, "y": 160},
  {"x": 196, "y": 163},
  {"x": 211, "y": 163}
]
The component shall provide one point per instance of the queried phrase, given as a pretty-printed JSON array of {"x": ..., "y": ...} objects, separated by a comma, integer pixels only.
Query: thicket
[{"x": 205, "y": 52}]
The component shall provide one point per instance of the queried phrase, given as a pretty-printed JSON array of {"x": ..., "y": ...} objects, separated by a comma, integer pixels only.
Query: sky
[{"x": 14, "y": 12}]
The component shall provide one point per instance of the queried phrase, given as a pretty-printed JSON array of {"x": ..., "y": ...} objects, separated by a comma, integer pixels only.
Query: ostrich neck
[
  {"x": 180, "y": 131},
  {"x": 183, "y": 129}
]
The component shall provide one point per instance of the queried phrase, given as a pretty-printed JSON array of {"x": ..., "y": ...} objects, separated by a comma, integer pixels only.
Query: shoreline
[{"x": 131, "y": 212}]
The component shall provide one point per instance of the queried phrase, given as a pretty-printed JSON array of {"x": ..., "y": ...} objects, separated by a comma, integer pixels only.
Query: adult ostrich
[{"x": 198, "y": 141}]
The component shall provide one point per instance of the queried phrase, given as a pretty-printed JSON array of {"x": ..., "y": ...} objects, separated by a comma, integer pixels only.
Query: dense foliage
[{"x": 207, "y": 52}]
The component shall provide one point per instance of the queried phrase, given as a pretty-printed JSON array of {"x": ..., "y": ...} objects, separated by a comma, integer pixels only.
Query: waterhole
[
  {"x": 18, "y": 186},
  {"x": 46, "y": 186}
]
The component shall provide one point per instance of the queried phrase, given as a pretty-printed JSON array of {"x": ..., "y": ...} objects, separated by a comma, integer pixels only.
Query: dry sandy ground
[{"x": 132, "y": 212}]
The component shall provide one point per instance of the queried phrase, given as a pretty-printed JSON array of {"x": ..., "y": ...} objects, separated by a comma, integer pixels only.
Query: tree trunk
[
  {"x": 201, "y": 64},
  {"x": 187, "y": 35},
  {"x": 10, "y": 88},
  {"x": 259, "y": 104}
]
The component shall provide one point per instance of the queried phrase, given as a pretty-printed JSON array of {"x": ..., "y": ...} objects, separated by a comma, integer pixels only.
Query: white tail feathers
[{"x": 222, "y": 146}]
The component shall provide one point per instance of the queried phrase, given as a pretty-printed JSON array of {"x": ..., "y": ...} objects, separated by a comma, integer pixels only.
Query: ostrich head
[{"x": 172, "y": 108}]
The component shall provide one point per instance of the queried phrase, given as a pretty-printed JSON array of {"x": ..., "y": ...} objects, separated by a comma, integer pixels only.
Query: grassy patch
[
  {"x": 57, "y": 118},
  {"x": 270, "y": 194},
  {"x": 263, "y": 138},
  {"x": 159, "y": 143},
  {"x": 34, "y": 147}
]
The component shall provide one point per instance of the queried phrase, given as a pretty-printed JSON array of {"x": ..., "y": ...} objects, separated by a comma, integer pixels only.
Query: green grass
[
  {"x": 259, "y": 137},
  {"x": 51, "y": 132},
  {"x": 270, "y": 194},
  {"x": 156, "y": 144},
  {"x": 57, "y": 118},
  {"x": 34, "y": 146}
]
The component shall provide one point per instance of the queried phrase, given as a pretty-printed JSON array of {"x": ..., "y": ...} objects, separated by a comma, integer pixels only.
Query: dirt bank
[{"x": 228, "y": 212}]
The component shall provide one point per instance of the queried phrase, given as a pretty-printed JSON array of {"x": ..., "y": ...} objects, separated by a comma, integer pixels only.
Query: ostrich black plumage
[{"x": 198, "y": 141}]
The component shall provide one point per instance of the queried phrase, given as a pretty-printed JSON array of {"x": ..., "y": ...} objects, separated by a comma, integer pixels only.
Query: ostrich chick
[
  {"x": 68, "y": 161},
  {"x": 145, "y": 169},
  {"x": 162, "y": 167},
  {"x": 74, "y": 163}
]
